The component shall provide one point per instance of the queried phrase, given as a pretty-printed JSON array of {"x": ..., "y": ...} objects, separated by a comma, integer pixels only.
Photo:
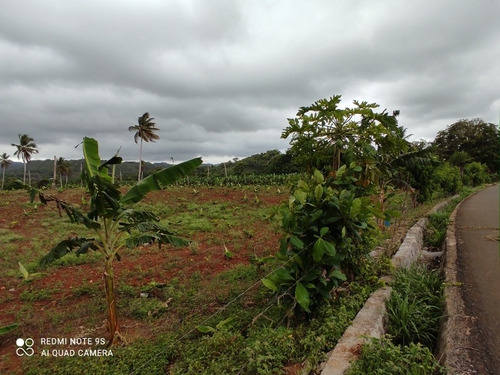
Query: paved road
[{"x": 477, "y": 231}]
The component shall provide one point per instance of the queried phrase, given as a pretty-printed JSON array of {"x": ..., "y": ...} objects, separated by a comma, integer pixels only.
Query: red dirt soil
[{"x": 207, "y": 260}]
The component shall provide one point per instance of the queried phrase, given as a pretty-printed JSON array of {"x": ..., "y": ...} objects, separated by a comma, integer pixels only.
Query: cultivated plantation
[{"x": 159, "y": 289}]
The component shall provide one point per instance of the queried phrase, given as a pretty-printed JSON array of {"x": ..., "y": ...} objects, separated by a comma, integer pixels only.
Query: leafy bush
[
  {"x": 475, "y": 174},
  {"x": 447, "y": 178},
  {"x": 327, "y": 233}
]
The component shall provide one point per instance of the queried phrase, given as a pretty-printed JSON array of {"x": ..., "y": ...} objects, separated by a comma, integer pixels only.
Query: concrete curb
[
  {"x": 370, "y": 320},
  {"x": 453, "y": 343},
  {"x": 410, "y": 250}
]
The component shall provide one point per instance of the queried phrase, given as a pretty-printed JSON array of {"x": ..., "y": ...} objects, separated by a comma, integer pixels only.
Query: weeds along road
[{"x": 477, "y": 232}]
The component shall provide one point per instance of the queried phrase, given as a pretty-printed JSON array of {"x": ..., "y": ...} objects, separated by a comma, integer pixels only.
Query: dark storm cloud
[{"x": 221, "y": 77}]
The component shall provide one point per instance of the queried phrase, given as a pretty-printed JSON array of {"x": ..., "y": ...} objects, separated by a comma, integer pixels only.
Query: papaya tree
[{"x": 113, "y": 222}]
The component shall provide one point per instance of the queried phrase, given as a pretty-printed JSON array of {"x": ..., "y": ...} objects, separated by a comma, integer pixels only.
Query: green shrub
[
  {"x": 447, "y": 178},
  {"x": 328, "y": 233},
  {"x": 475, "y": 174}
]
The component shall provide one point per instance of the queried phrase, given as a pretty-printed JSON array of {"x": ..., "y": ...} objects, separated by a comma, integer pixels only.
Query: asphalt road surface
[{"x": 477, "y": 232}]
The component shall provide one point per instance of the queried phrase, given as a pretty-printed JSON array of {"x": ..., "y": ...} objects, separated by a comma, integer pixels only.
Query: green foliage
[
  {"x": 143, "y": 357},
  {"x": 381, "y": 356},
  {"x": 220, "y": 353},
  {"x": 269, "y": 162},
  {"x": 112, "y": 223},
  {"x": 436, "y": 228},
  {"x": 158, "y": 180},
  {"x": 415, "y": 307},
  {"x": 236, "y": 180},
  {"x": 34, "y": 295},
  {"x": 447, "y": 178},
  {"x": 459, "y": 159},
  {"x": 107, "y": 217},
  {"x": 265, "y": 348},
  {"x": 475, "y": 174},
  {"x": 6, "y": 329},
  {"x": 418, "y": 171},
  {"x": 479, "y": 140},
  {"x": 324, "y": 136},
  {"x": 327, "y": 231},
  {"x": 270, "y": 349},
  {"x": 333, "y": 318},
  {"x": 144, "y": 308}
]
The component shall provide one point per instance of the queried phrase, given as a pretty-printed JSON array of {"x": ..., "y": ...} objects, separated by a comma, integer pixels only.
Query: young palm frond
[{"x": 145, "y": 131}]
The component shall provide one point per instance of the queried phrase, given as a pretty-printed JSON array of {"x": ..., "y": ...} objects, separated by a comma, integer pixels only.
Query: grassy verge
[{"x": 414, "y": 311}]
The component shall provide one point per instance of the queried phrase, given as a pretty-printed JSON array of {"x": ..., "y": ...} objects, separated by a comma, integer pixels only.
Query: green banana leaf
[
  {"x": 92, "y": 159},
  {"x": 160, "y": 179},
  {"x": 7, "y": 329}
]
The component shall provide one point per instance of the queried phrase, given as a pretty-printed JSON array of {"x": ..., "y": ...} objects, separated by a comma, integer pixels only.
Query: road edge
[{"x": 455, "y": 347}]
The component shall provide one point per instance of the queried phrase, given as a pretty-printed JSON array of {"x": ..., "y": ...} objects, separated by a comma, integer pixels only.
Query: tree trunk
[
  {"x": 140, "y": 162},
  {"x": 55, "y": 172},
  {"x": 109, "y": 281}
]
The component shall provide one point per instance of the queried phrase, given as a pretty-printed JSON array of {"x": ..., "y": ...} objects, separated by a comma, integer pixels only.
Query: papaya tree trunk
[{"x": 109, "y": 281}]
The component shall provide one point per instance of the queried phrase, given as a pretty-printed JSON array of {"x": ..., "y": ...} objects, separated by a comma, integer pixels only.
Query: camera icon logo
[{"x": 24, "y": 347}]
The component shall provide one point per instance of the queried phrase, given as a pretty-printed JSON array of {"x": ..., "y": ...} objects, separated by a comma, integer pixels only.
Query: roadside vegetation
[
  {"x": 415, "y": 309},
  {"x": 273, "y": 267}
]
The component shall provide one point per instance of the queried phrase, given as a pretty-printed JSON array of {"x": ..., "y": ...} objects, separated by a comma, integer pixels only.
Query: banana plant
[{"x": 112, "y": 220}]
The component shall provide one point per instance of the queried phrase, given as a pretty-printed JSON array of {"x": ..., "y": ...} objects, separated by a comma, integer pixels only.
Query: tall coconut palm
[
  {"x": 64, "y": 169},
  {"x": 4, "y": 163},
  {"x": 145, "y": 131},
  {"x": 25, "y": 149}
]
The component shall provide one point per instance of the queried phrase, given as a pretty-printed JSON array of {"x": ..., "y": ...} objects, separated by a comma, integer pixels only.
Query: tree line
[
  {"x": 145, "y": 130},
  {"x": 466, "y": 152},
  {"x": 354, "y": 159}
]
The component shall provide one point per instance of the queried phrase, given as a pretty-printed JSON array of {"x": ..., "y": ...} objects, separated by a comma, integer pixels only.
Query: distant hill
[
  {"x": 269, "y": 162},
  {"x": 44, "y": 169}
]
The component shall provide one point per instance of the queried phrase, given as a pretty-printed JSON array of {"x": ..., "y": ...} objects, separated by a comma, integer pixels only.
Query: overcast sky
[{"x": 221, "y": 77}]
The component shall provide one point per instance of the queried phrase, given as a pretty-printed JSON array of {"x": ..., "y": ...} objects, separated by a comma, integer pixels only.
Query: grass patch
[
  {"x": 414, "y": 310},
  {"x": 382, "y": 356},
  {"x": 8, "y": 236},
  {"x": 34, "y": 295},
  {"x": 415, "y": 307}
]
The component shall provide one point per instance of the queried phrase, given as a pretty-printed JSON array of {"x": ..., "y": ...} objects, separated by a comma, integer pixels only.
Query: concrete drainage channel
[{"x": 370, "y": 320}]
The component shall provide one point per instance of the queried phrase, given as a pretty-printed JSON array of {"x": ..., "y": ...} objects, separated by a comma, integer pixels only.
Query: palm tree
[
  {"x": 25, "y": 149},
  {"x": 144, "y": 130},
  {"x": 64, "y": 169},
  {"x": 4, "y": 163}
]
